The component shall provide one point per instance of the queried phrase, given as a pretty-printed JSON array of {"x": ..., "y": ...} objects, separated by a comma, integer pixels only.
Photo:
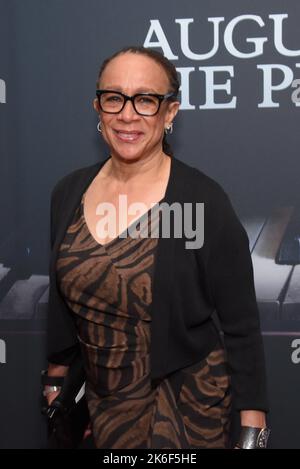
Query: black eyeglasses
[{"x": 145, "y": 104}]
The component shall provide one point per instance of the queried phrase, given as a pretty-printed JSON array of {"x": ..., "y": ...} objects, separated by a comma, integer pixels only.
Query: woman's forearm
[{"x": 57, "y": 370}]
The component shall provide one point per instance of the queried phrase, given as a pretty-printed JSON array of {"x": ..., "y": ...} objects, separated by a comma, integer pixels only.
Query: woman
[{"x": 140, "y": 307}]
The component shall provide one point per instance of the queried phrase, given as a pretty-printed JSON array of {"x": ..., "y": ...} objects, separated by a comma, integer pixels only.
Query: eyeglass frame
[{"x": 160, "y": 98}]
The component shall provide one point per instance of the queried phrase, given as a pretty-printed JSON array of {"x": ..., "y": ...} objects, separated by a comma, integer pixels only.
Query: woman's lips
[{"x": 128, "y": 136}]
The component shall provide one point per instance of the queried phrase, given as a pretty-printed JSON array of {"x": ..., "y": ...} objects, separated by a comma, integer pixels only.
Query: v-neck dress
[{"x": 109, "y": 290}]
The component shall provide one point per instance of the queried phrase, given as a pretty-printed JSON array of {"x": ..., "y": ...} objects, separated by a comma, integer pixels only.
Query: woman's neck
[{"x": 127, "y": 172}]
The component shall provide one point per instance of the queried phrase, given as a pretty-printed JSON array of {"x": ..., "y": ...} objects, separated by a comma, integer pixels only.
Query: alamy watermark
[
  {"x": 296, "y": 93},
  {"x": 295, "y": 357},
  {"x": 2, "y": 91},
  {"x": 2, "y": 351},
  {"x": 178, "y": 220}
]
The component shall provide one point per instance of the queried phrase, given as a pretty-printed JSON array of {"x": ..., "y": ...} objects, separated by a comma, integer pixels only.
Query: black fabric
[
  {"x": 68, "y": 419},
  {"x": 51, "y": 380},
  {"x": 65, "y": 357},
  {"x": 190, "y": 285},
  {"x": 66, "y": 430}
]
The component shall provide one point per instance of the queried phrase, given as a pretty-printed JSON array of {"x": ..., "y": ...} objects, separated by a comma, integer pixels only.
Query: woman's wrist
[
  {"x": 254, "y": 431},
  {"x": 253, "y": 438},
  {"x": 52, "y": 382},
  {"x": 253, "y": 418},
  {"x": 49, "y": 389}
]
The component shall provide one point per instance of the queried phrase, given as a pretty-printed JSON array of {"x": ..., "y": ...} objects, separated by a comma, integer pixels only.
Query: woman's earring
[
  {"x": 169, "y": 129},
  {"x": 99, "y": 127}
]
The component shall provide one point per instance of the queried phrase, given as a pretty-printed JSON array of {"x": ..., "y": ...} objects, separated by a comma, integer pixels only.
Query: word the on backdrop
[{"x": 218, "y": 78}]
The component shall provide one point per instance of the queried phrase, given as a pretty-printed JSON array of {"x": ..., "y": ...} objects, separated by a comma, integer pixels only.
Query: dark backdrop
[{"x": 50, "y": 53}]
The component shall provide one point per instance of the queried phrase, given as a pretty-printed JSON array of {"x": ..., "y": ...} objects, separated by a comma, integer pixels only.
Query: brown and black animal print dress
[{"x": 109, "y": 289}]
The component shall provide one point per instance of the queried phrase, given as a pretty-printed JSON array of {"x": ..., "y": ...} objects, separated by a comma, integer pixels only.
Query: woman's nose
[{"x": 128, "y": 112}]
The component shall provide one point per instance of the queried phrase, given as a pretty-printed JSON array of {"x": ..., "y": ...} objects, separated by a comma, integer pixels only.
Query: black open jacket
[{"x": 189, "y": 285}]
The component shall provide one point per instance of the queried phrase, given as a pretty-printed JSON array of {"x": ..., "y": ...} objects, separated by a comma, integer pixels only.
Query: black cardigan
[{"x": 189, "y": 285}]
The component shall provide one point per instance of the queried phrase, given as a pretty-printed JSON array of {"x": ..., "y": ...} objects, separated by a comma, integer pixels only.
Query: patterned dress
[{"x": 109, "y": 289}]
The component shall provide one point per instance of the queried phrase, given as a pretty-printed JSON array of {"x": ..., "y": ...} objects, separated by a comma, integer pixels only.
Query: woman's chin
[{"x": 130, "y": 155}]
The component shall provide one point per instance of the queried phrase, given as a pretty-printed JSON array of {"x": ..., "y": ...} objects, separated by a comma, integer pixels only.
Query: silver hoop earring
[
  {"x": 169, "y": 129},
  {"x": 99, "y": 127}
]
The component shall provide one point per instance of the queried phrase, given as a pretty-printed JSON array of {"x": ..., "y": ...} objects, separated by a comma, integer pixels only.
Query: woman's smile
[{"x": 128, "y": 136}]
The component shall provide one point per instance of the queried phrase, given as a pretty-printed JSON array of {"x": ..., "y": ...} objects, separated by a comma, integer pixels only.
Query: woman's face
[{"x": 135, "y": 73}]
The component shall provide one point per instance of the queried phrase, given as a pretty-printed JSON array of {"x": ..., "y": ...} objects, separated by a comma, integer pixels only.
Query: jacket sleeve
[
  {"x": 62, "y": 341},
  {"x": 230, "y": 274}
]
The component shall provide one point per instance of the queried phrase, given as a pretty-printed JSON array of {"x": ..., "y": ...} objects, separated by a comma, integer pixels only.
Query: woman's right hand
[
  {"x": 55, "y": 371},
  {"x": 51, "y": 396}
]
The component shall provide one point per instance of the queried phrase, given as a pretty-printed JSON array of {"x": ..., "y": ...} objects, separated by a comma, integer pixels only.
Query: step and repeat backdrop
[{"x": 239, "y": 66}]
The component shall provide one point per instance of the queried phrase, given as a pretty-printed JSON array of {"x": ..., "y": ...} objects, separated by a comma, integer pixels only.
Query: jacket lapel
[
  {"x": 71, "y": 201},
  {"x": 160, "y": 308}
]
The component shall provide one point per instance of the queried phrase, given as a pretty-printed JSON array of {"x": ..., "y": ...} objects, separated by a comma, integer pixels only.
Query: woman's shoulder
[
  {"x": 71, "y": 179},
  {"x": 221, "y": 219},
  {"x": 200, "y": 184}
]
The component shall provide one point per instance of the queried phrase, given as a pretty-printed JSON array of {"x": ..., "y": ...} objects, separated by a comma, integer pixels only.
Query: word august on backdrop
[{"x": 157, "y": 37}]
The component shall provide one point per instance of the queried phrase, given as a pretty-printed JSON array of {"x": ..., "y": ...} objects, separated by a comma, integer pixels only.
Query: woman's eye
[
  {"x": 146, "y": 100},
  {"x": 114, "y": 99}
]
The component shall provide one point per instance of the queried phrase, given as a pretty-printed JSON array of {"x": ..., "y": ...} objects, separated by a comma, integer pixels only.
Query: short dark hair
[{"x": 159, "y": 58}]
